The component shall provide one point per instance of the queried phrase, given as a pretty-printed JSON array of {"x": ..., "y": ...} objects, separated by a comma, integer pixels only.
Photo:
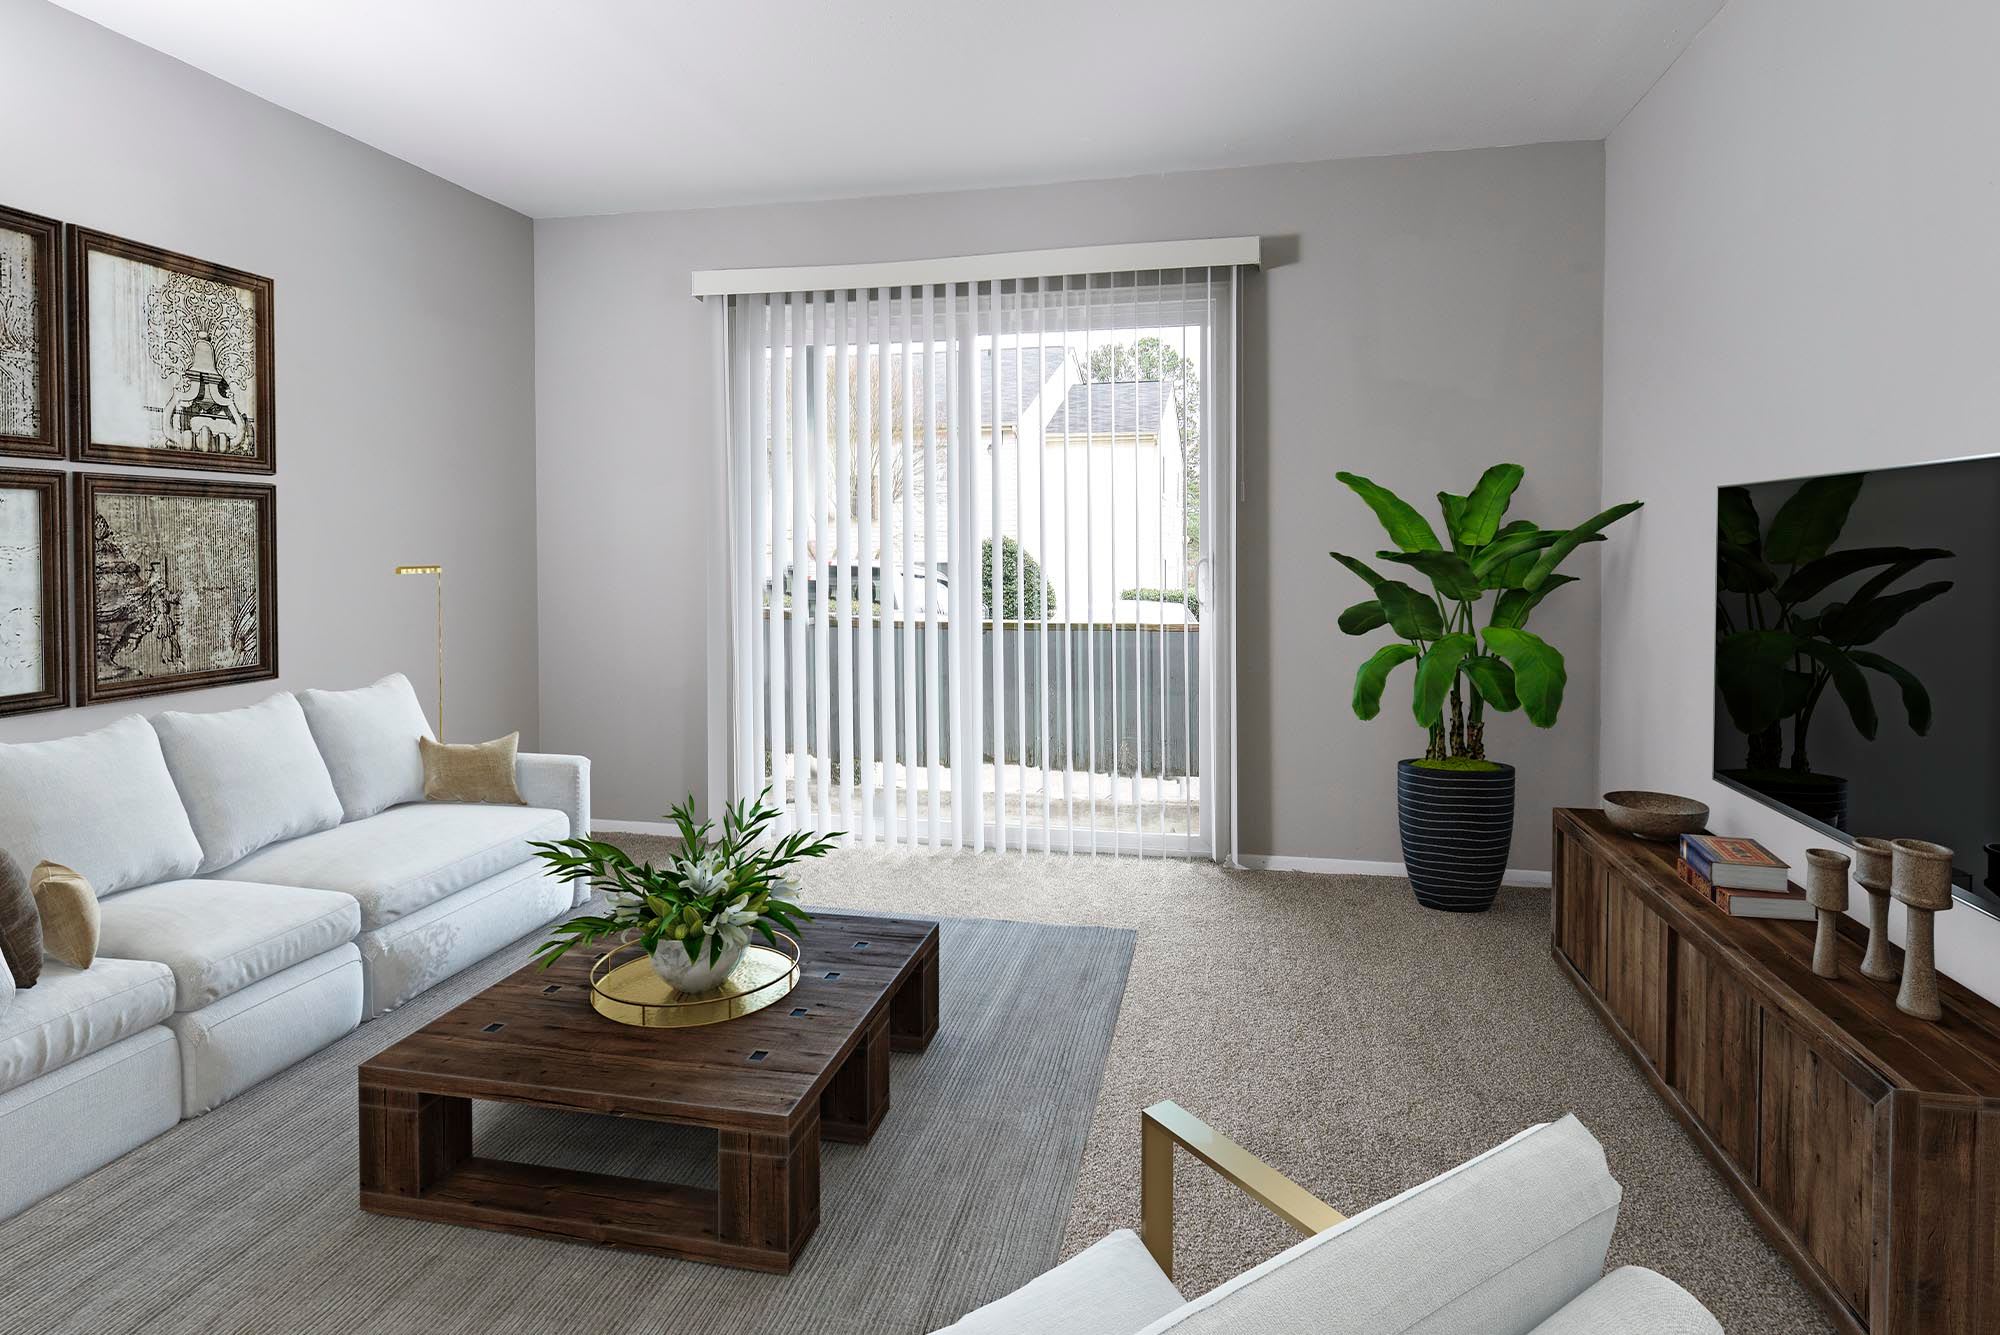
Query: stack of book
[{"x": 1739, "y": 876}]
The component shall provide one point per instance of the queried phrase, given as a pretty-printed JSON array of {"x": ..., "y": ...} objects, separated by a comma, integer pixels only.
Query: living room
[{"x": 438, "y": 442}]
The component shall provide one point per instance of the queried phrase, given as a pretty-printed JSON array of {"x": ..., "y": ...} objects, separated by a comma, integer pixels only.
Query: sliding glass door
[{"x": 975, "y": 538}]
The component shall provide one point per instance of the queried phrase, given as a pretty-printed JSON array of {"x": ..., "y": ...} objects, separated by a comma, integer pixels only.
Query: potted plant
[
  {"x": 1456, "y": 807},
  {"x": 1783, "y": 636},
  {"x": 693, "y": 916}
]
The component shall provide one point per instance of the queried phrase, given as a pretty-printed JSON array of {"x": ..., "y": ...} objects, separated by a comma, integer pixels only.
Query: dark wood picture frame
[
  {"x": 54, "y": 692},
  {"x": 82, "y": 243},
  {"x": 46, "y": 443},
  {"x": 89, "y": 487}
]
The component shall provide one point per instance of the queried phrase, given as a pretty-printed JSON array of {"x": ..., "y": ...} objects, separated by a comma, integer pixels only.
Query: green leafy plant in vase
[
  {"x": 693, "y": 916},
  {"x": 1789, "y": 626},
  {"x": 1467, "y": 635}
]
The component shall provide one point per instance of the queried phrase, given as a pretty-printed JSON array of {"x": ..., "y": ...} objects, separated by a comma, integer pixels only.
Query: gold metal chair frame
[{"x": 1166, "y": 1125}]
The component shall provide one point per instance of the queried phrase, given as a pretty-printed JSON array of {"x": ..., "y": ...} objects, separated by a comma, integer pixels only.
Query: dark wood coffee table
[{"x": 770, "y": 1085}]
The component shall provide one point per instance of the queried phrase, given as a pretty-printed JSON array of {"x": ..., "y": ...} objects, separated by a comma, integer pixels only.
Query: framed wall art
[
  {"x": 177, "y": 584},
  {"x": 34, "y": 668},
  {"x": 31, "y": 400},
  {"x": 172, "y": 359}
]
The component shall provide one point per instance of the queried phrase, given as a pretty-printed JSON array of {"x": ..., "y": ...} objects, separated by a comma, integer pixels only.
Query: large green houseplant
[
  {"x": 1789, "y": 627},
  {"x": 1467, "y": 635}
]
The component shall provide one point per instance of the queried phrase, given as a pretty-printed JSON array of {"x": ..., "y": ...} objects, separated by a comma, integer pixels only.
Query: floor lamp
[{"x": 438, "y": 572}]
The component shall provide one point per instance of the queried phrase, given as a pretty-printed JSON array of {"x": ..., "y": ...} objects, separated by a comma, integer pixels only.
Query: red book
[
  {"x": 1695, "y": 880},
  {"x": 1746, "y": 903}
]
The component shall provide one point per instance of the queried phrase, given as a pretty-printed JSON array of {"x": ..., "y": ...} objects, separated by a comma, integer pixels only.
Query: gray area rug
[{"x": 245, "y": 1220}]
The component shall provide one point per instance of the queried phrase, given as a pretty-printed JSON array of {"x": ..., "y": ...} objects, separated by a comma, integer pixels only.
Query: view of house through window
[{"x": 970, "y": 544}]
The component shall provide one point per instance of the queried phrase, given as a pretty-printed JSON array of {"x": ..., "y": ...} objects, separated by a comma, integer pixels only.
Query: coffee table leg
[
  {"x": 768, "y": 1190},
  {"x": 411, "y": 1141},
  {"x": 857, "y": 1098},
  {"x": 913, "y": 1011}
]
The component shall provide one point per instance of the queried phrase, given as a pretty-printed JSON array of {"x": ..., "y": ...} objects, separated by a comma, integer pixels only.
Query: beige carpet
[{"x": 1349, "y": 1037}]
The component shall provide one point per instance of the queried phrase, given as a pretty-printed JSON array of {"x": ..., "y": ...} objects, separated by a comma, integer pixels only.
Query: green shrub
[
  {"x": 1014, "y": 583},
  {"x": 1188, "y": 597}
]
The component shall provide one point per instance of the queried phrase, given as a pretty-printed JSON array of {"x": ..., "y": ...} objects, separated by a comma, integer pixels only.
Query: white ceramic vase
[{"x": 670, "y": 961}]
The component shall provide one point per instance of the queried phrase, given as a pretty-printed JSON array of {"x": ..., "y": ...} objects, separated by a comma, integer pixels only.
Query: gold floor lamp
[{"x": 437, "y": 571}]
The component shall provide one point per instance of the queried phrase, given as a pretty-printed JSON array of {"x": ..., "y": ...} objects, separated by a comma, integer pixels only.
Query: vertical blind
[{"x": 973, "y": 535}]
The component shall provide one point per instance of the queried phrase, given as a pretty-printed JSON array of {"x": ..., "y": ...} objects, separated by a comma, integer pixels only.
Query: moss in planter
[{"x": 1459, "y": 765}]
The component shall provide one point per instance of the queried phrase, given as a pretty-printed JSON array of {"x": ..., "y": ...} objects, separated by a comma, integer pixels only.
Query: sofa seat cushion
[
  {"x": 1633, "y": 1301},
  {"x": 1112, "y": 1287},
  {"x": 398, "y": 861},
  {"x": 71, "y": 1013},
  {"x": 101, "y": 802},
  {"x": 219, "y": 937},
  {"x": 248, "y": 777}
]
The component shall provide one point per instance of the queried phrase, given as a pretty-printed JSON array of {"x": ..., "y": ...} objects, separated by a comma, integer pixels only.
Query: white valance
[{"x": 1138, "y": 256}]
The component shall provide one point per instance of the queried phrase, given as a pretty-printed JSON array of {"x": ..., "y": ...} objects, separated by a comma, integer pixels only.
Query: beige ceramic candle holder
[
  {"x": 1921, "y": 878},
  {"x": 1826, "y": 891},
  {"x": 1872, "y": 868}
]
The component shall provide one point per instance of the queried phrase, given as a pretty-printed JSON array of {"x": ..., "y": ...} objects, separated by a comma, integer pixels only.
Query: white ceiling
[{"x": 559, "y": 107}]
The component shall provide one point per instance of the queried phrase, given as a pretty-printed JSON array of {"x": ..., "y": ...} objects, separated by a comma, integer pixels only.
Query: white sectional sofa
[{"x": 268, "y": 878}]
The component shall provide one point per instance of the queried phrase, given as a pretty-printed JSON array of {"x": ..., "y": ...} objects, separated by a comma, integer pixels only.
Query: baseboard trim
[
  {"x": 635, "y": 827},
  {"x": 1534, "y": 880}
]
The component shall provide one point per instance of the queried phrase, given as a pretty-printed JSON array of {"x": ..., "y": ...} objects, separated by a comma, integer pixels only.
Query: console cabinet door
[
  {"x": 1819, "y": 1144},
  {"x": 1635, "y": 969},
  {"x": 1718, "y": 1036},
  {"x": 1579, "y": 911}
]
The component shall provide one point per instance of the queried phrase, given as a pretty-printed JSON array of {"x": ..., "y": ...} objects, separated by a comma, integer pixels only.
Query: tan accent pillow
[
  {"x": 477, "y": 773},
  {"x": 69, "y": 913}
]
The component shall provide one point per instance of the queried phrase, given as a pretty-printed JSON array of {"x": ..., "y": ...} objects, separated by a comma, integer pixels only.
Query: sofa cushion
[
  {"x": 248, "y": 777},
  {"x": 423, "y": 948},
  {"x": 101, "y": 802},
  {"x": 72, "y": 1013},
  {"x": 254, "y": 1034},
  {"x": 1112, "y": 1287},
  {"x": 1633, "y": 1301},
  {"x": 1501, "y": 1242},
  {"x": 368, "y": 738},
  {"x": 401, "y": 859},
  {"x": 219, "y": 937}
]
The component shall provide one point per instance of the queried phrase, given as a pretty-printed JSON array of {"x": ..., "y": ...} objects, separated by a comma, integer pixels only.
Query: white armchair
[{"x": 1512, "y": 1242}]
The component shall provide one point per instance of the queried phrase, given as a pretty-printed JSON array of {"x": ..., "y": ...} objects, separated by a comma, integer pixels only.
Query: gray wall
[
  {"x": 1801, "y": 277},
  {"x": 404, "y": 318},
  {"x": 1422, "y": 317}
]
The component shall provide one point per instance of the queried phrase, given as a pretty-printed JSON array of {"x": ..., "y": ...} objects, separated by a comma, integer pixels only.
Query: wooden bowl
[{"x": 1654, "y": 815}]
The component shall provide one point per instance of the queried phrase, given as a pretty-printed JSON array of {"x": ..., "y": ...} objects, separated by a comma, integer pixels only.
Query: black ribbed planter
[{"x": 1457, "y": 829}]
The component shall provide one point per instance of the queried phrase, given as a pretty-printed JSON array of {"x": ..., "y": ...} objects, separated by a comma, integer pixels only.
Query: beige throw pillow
[
  {"x": 478, "y": 773},
  {"x": 68, "y": 907}
]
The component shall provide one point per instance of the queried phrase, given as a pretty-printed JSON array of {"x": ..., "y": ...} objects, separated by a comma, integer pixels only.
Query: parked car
[{"x": 938, "y": 588}]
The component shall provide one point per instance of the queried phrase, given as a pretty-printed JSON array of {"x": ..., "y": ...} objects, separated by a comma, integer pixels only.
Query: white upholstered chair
[{"x": 1512, "y": 1242}]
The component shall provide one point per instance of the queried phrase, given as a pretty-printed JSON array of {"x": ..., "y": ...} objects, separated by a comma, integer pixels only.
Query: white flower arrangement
[{"x": 721, "y": 888}]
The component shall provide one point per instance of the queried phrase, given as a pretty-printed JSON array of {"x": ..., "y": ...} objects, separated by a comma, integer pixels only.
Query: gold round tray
[{"x": 632, "y": 993}]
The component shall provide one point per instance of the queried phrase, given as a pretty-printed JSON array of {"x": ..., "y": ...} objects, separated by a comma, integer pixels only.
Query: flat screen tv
[{"x": 1857, "y": 657}]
